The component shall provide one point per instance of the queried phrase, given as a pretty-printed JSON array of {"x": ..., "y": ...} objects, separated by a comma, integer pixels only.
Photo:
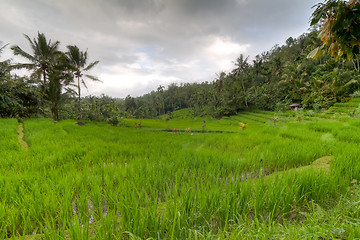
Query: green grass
[
  {"x": 347, "y": 104},
  {"x": 103, "y": 182}
]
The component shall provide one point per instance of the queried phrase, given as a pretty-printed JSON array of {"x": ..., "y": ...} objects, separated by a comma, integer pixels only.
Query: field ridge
[{"x": 21, "y": 135}]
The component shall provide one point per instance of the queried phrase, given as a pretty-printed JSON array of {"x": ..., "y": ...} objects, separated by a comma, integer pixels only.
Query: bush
[
  {"x": 316, "y": 106},
  {"x": 282, "y": 106},
  {"x": 355, "y": 94},
  {"x": 310, "y": 113},
  {"x": 116, "y": 121},
  {"x": 183, "y": 113}
]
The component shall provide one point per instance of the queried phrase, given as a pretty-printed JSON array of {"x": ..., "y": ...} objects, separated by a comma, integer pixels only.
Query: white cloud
[{"x": 223, "y": 52}]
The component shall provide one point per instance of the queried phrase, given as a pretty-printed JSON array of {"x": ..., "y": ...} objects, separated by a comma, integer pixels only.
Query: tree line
[{"x": 271, "y": 81}]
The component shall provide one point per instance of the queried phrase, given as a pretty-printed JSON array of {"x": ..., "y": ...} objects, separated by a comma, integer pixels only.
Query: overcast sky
[{"x": 142, "y": 44}]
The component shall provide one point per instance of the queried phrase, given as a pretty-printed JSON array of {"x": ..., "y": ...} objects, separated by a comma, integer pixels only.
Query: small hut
[{"x": 294, "y": 106}]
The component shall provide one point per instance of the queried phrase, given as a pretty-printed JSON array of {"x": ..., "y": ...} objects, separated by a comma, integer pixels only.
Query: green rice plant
[
  {"x": 347, "y": 104},
  {"x": 355, "y": 100},
  {"x": 260, "y": 115},
  {"x": 252, "y": 117},
  {"x": 103, "y": 182},
  {"x": 328, "y": 126},
  {"x": 267, "y": 113},
  {"x": 8, "y": 136}
]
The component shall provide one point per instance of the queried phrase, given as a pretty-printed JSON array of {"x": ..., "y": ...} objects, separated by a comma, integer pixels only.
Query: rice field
[
  {"x": 218, "y": 181},
  {"x": 349, "y": 107}
]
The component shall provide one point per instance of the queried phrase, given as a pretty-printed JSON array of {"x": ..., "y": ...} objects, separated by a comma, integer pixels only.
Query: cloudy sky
[{"x": 142, "y": 44}]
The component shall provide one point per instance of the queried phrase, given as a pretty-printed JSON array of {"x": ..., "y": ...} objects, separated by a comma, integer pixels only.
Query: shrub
[
  {"x": 355, "y": 94},
  {"x": 116, "y": 121},
  {"x": 281, "y": 106}
]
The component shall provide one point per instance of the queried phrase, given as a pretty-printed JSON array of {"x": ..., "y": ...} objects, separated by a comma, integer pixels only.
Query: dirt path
[{"x": 21, "y": 136}]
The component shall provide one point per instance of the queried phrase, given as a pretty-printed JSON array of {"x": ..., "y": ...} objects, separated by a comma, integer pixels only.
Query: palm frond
[
  {"x": 91, "y": 65},
  {"x": 93, "y": 78},
  {"x": 72, "y": 85},
  {"x": 3, "y": 47},
  {"x": 30, "y": 41},
  {"x": 70, "y": 91},
  {"x": 73, "y": 54},
  {"x": 28, "y": 66},
  {"x": 350, "y": 82},
  {"x": 83, "y": 82},
  {"x": 18, "y": 51}
]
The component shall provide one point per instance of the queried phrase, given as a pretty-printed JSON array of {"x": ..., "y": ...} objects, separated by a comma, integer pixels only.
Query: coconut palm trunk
[
  {"x": 244, "y": 91},
  {"x": 79, "y": 98}
]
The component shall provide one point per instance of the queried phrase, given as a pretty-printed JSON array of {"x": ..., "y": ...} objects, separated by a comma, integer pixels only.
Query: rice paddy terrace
[
  {"x": 345, "y": 108},
  {"x": 257, "y": 175}
]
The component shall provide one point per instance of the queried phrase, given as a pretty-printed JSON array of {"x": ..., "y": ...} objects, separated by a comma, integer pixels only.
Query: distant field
[{"x": 216, "y": 181}]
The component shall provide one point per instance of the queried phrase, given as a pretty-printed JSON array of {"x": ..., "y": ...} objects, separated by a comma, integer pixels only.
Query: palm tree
[
  {"x": 291, "y": 78},
  {"x": 242, "y": 66},
  {"x": 335, "y": 84},
  {"x": 43, "y": 58},
  {"x": 54, "y": 93},
  {"x": 78, "y": 63}
]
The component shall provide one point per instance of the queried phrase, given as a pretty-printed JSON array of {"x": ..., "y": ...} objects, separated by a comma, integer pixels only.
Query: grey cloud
[{"x": 172, "y": 33}]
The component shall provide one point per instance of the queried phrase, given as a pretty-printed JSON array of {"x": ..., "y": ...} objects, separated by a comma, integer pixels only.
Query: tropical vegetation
[{"x": 222, "y": 159}]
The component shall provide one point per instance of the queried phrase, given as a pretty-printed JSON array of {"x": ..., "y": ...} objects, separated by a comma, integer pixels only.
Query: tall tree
[
  {"x": 292, "y": 78},
  {"x": 42, "y": 59},
  {"x": 78, "y": 64},
  {"x": 242, "y": 66}
]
